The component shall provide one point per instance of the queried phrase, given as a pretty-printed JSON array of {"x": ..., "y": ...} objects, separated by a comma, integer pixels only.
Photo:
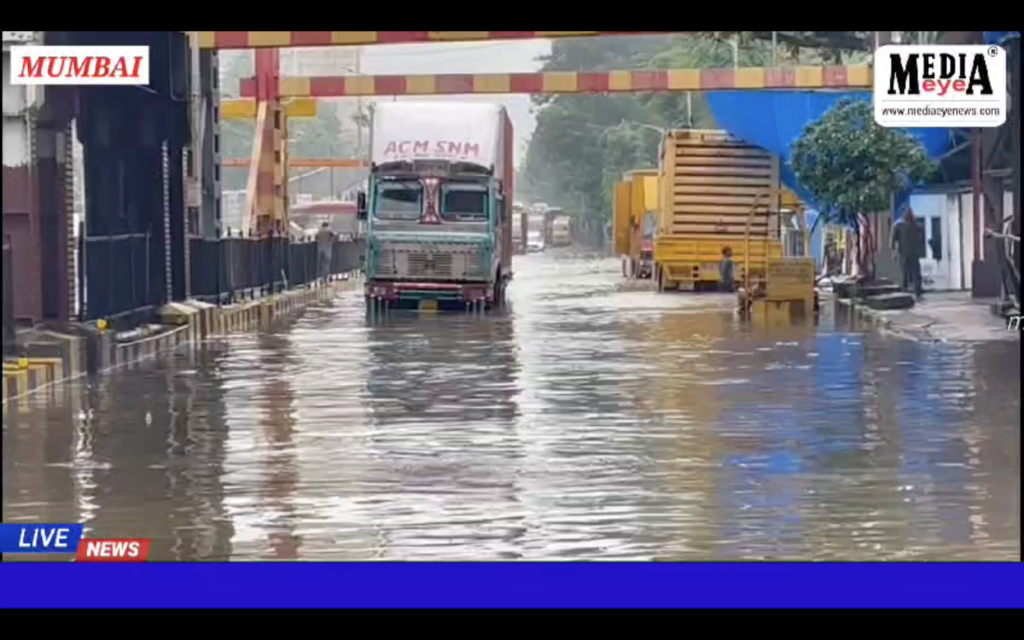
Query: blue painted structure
[
  {"x": 1000, "y": 37},
  {"x": 775, "y": 120}
]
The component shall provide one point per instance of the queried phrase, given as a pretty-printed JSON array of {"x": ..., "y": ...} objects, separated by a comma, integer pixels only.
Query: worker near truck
[
  {"x": 726, "y": 269},
  {"x": 325, "y": 251}
]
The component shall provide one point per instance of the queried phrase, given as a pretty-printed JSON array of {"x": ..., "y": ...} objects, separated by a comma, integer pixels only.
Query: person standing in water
[
  {"x": 908, "y": 240},
  {"x": 325, "y": 250},
  {"x": 726, "y": 271}
]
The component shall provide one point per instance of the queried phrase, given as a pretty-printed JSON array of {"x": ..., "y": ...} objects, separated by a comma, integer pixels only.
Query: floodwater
[{"x": 587, "y": 422}]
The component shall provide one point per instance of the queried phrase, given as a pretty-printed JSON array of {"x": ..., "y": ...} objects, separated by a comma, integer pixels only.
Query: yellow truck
[
  {"x": 635, "y": 218},
  {"x": 714, "y": 192}
]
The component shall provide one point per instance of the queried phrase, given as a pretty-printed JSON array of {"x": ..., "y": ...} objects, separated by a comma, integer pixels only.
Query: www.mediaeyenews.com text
[{"x": 928, "y": 111}]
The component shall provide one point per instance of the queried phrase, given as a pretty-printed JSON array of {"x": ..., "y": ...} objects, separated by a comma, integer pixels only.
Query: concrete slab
[
  {"x": 954, "y": 317},
  {"x": 176, "y": 313},
  {"x": 890, "y": 301},
  {"x": 199, "y": 304},
  {"x": 845, "y": 288}
]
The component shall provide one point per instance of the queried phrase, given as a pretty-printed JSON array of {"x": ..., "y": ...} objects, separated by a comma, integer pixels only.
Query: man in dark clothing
[
  {"x": 325, "y": 249},
  {"x": 908, "y": 241},
  {"x": 726, "y": 270}
]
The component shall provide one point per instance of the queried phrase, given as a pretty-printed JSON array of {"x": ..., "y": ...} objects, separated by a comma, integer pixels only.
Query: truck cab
[
  {"x": 438, "y": 205},
  {"x": 635, "y": 222}
]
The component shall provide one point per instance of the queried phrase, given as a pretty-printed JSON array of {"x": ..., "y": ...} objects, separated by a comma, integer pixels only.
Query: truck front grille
[{"x": 433, "y": 262}]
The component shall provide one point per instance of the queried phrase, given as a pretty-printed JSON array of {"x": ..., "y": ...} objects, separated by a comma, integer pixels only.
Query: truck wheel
[{"x": 499, "y": 293}]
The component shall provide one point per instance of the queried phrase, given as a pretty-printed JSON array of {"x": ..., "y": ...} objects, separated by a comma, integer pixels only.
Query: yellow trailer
[
  {"x": 635, "y": 220},
  {"x": 715, "y": 192}
]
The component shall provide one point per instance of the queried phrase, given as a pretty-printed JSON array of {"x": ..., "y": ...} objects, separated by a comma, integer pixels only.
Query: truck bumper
[
  {"x": 440, "y": 292},
  {"x": 646, "y": 267}
]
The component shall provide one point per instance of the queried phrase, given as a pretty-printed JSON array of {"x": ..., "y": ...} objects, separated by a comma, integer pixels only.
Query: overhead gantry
[
  {"x": 270, "y": 98},
  {"x": 285, "y": 39}
]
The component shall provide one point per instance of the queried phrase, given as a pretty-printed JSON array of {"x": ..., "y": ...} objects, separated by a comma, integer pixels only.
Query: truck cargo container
[
  {"x": 535, "y": 238},
  {"x": 439, "y": 205},
  {"x": 561, "y": 231},
  {"x": 715, "y": 192}
]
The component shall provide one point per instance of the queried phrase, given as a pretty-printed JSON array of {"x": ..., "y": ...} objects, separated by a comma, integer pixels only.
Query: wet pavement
[{"x": 585, "y": 422}]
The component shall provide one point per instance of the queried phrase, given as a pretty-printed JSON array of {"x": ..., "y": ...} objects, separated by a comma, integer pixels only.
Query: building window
[{"x": 936, "y": 241}]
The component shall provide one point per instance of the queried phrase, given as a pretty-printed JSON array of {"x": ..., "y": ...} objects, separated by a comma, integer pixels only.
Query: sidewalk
[{"x": 953, "y": 317}]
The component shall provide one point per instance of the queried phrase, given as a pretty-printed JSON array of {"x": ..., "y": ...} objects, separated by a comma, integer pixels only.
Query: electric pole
[{"x": 359, "y": 106}]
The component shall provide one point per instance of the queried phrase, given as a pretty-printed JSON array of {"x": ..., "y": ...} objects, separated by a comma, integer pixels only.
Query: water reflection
[
  {"x": 586, "y": 422},
  {"x": 38, "y": 483}
]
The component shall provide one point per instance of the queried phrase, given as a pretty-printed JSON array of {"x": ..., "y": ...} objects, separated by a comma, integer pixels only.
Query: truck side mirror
[{"x": 361, "y": 205}]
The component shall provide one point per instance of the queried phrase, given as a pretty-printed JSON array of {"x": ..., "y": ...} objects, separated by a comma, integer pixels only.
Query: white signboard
[
  {"x": 67, "y": 65},
  {"x": 460, "y": 132}
]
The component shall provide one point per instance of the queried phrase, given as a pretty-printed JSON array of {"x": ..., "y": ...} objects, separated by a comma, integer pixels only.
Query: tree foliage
[
  {"x": 830, "y": 46},
  {"x": 320, "y": 137},
  {"x": 851, "y": 165},
  {"x": 583, "y": 143}
]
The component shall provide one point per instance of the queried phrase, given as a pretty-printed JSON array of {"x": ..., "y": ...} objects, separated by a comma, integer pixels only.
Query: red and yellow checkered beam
[
  {"x": 304, "y": 163},
  {"x": 247, "y": 109},
  {"x": 275, "y": 39},
  {"x": 754, "y": 78}
]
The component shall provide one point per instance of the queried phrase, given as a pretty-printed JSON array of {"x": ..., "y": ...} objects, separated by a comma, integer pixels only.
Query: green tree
[
  {"x": 829, "y": 47},
  {"x": 851, "y": 165}
]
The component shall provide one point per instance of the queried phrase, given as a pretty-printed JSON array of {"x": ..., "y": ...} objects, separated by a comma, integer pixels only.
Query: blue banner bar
[
  {"x": 40, "y": 538},
  {"x": 526, "y": 585}
]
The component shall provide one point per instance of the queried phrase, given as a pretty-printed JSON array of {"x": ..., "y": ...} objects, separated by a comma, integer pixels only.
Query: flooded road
[{"x": 584, "y": 423}]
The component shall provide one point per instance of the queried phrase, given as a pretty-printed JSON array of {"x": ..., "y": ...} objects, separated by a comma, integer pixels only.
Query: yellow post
[{"x": 254, "y": 169}]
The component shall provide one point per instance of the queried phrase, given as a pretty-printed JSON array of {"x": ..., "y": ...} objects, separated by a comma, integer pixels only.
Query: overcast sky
[
  {"x": 520, "y": 56},
  {"x": 466, "y": 57}
]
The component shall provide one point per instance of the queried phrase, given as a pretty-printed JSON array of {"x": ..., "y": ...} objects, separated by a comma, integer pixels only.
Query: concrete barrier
[
  {"x": 55, "y": 355},
  {"x": 861, "y": 316}
]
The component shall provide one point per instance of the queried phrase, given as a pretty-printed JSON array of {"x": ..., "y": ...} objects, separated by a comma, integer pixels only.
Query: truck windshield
[
  {"x": 399, "y": 200},
  {"x": 464, "y": 203},
  {"x": 650, "y": 225}
]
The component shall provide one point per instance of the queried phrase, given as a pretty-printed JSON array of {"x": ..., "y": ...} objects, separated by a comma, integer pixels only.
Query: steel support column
[
  {"x": 995, "y": 170},
  {"x": 1013, "y": 65},
  {"x": 210, "y": 216}
]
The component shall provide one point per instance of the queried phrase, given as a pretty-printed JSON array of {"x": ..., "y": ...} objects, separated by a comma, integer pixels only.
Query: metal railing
[
  {"x": 232, "y": 268},
  {"x": 10, "y": 336},
  {"x": 121, "y": 276},
  {"x": 116, "y": 275}
]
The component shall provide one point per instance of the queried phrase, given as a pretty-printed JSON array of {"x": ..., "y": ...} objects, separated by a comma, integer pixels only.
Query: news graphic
[
  {"x": 47, "y": 65},
  {"x": 940, "y": 86},
  {"x": 68, "y": 539}
]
